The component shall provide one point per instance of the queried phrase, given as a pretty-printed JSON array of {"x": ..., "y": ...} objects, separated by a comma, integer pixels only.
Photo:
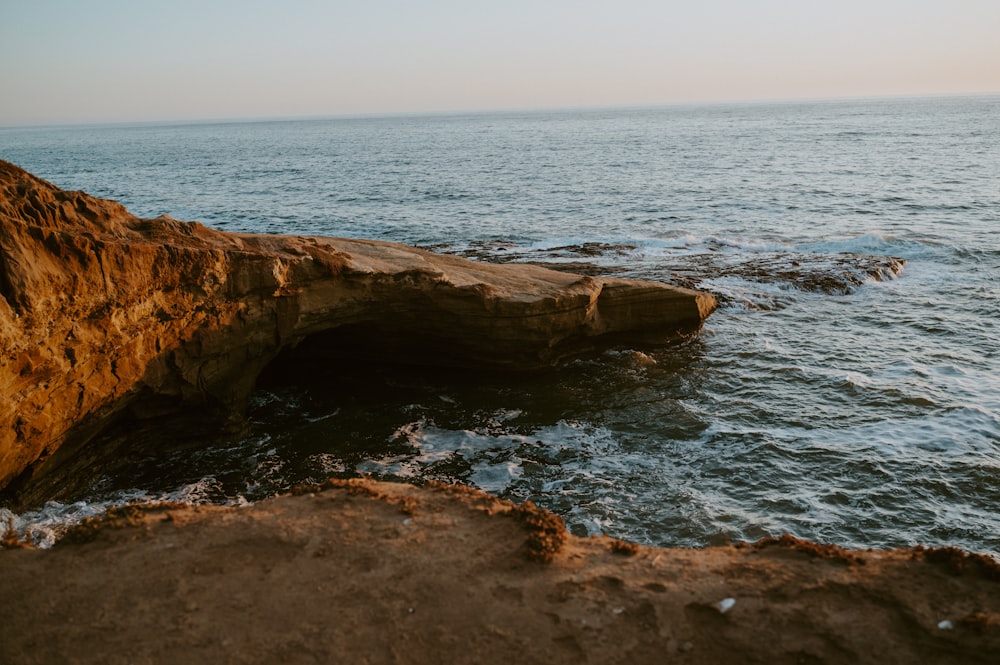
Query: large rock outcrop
[{"x": 104, "y": 314}]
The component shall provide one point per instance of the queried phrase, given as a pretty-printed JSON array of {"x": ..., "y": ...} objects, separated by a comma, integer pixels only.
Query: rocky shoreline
[{"x": 108, "y": 321}]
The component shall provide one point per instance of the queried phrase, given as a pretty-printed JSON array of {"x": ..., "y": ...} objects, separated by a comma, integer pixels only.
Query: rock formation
[
  {"x": 104, "y": 315},
  {"x": 389, "y": 573}
]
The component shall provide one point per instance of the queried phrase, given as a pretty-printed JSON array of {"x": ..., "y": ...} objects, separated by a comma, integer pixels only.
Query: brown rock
[
  {"x": 104, "y": 315},
  {"x": 388, "y": 573}
]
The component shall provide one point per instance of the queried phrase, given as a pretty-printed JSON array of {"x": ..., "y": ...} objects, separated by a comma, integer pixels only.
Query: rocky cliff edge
[
  {"x": 104, "y": 315},
  {"x": 365, "y": 572}
]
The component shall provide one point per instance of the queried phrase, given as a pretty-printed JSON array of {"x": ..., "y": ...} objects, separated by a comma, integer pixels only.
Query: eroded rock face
[{"x": 103, "y": 313}]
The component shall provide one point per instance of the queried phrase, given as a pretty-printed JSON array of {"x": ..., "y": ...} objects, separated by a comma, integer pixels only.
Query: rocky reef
[{"x": 106, "y": 317}]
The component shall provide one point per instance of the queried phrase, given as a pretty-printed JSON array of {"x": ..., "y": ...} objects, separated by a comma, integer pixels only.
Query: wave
[
  {"x": 873, "y": 242},
  {"x": 753, "y": 274},
  {"x": 640, "y": 247},
  {"x": 44, "y": 527}
]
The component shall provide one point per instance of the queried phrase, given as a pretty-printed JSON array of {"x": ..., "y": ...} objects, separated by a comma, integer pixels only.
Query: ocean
[{"x": 847, "y": 390}]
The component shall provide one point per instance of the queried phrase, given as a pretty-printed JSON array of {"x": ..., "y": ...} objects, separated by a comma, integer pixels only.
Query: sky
[{"x": 87, "y": 61}]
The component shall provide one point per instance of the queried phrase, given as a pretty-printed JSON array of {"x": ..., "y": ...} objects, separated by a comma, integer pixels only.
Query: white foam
[
  {"x": 42, "y": 528},
  {"x": 872, "y": 242},
  {"x": 875, "y": 243}
]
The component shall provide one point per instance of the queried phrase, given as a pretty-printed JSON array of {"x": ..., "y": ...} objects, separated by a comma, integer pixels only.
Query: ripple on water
[{"x": 832, "y": 396}]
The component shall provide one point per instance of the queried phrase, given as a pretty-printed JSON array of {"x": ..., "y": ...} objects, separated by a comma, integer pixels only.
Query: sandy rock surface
[{"x": 369, "y": 572}]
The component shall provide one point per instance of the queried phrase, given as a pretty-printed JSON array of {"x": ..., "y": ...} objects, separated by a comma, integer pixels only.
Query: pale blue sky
[{"x": 67, "y": 61}]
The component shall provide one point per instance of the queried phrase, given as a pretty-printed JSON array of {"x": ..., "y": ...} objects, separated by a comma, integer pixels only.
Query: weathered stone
[
  {"x": 103, "y": 313},
  {"x": 389, "y": 573}
]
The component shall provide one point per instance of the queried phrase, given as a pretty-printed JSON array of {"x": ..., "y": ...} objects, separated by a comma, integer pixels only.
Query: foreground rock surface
[
  {"x": 105, "y": 316},
  {"x": 384, "y": 573}
]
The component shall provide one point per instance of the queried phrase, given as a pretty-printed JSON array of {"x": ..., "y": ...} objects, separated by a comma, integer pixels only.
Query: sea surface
[{"x": 847, "y": 390}]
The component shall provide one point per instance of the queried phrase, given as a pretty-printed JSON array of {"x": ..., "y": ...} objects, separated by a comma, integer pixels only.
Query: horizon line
[{"x": 209, "y": 120}]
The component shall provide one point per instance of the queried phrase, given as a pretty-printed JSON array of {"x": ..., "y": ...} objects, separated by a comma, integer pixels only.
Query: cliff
[
  {"x": 105, "y": 316},
  {"x": 387, "y": 573}
]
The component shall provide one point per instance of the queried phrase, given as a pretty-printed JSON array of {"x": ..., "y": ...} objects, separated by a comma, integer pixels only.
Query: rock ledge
[
  {"x": 104, "y": 315},
  {"x": 392, "y": 573}
]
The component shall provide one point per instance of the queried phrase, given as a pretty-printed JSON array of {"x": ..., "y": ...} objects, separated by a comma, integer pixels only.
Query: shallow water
[{"x": 837, "y": 394}]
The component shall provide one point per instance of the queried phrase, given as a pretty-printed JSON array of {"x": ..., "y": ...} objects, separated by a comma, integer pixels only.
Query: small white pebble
[
  {"x": 725, "y": 605},
  {"x": 618, "y": 610},
  {"x": 407, "y": 522},
  {"x": 945, "y": 625},
  {"x": 410, "y": 610}
]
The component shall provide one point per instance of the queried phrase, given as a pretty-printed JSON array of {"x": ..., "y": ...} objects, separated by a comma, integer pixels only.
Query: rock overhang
[{"x": 104, "y": 314}]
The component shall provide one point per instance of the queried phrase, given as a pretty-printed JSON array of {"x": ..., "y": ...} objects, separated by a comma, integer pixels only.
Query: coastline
[{"x": 108, "y": 319}]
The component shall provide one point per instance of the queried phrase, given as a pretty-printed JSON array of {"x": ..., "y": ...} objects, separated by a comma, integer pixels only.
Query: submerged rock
[
  {"x": 735, "y": 278},
  {"x": 105, "y": 316}
]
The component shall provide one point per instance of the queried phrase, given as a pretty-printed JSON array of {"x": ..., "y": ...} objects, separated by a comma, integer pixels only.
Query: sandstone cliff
[{"x": 104, "y": 314}]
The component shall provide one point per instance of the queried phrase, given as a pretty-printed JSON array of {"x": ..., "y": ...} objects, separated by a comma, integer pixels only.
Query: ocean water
[{"x": 847, "y": 390}]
